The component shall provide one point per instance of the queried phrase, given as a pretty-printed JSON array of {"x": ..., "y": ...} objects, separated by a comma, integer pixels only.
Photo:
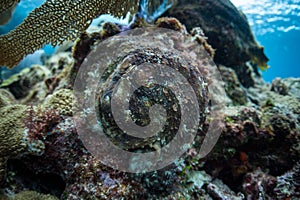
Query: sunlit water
[{"x": 276, "y": 25}]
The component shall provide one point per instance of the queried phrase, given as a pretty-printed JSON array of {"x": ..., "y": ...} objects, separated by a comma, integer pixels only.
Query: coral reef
[
  {"x": 21, "y": 130},
  {"x": 256, "y": 157}
]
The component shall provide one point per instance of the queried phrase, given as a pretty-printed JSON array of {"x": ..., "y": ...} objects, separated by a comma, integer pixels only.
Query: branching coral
[{"x": 55, "y": 22}]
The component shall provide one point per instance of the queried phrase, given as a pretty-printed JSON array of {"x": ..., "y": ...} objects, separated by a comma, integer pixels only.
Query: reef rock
[{"x": 227, "y": 31}]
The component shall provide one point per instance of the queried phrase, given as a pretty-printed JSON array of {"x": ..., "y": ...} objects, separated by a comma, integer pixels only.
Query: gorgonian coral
[{"x": 55, "y": 22}]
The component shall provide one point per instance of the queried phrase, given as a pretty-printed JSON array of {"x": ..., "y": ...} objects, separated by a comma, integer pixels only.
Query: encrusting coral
[{"x": 55, "y": 22}]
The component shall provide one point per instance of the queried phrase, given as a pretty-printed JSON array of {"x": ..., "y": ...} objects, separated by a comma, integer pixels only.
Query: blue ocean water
[
  {"x": 275, "y": 23},
  {"x": 276, "y": 26}
]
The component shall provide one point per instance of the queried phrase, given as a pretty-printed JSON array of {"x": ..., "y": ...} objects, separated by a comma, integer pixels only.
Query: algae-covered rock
[
  {"x": 279, "y": 87},
  {"x": 218, "y": 190},
  {"x": 288, "y": 184},
  {"x": 258, "y": 184},
  {"x": 227, "y": 31},
  {"x": 20, "y": 84},
  {"x": 225, "y": 26},
  {"x": 233, "y": 87},
  {"x": 293, "y": 85},
  {"x": 28, "y": 195}
]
